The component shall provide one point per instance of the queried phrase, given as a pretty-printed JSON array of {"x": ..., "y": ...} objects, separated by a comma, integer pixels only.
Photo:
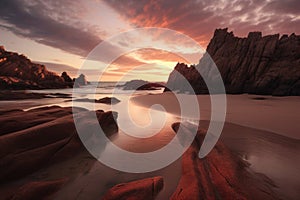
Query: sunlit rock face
[
  {"x": 267, "y": 65},
  {"x": 18, "y": 72}
]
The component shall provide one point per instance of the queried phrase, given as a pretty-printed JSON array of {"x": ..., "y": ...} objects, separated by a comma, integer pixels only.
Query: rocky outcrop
[
  {"x": 146, "y": 189},
  {"x": 66, "y": 77},
  {"x": 105, "y": 100},
  {"x": 184, "y": 79},
  {"x": 37, "y": 189},
  {"x": 20, "y": 95},
  {"x": 40, "y": 137},
  {"x": 267, "y": 65},
  {"x": 18, "y": 72},
  {"x": 80, "y": 81},
  {"x": 220, "y": 175},
  {"x": 108, "y": 100},
  {"x": 141, "y": 85}
]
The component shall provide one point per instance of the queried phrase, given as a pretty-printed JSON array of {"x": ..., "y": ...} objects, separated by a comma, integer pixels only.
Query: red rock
[
  {"x": 19, "y": 119},
  {"x": 38, "y": 189},
  {"x": 220, "y": 175},
  {"x": 42, "y": 142},
  {"x": 146, "y": 189}
]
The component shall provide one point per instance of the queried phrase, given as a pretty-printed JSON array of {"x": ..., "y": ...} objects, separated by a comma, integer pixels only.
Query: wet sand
[
  {"x": 264, "y": 133},
  {"x": 269, "y": 152},
  {"x": 275, "y": 114}
]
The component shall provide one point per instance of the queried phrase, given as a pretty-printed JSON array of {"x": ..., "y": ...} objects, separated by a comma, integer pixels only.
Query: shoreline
[
  {"x": 274, "y": 154},
  {"x": 277, "y": 114}
]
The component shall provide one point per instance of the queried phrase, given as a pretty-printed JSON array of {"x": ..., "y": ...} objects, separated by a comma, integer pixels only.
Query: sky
[{"x": 65, "y": 34}]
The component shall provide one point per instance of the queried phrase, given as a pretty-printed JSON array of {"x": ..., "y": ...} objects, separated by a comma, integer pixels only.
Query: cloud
[
  {"x": 284, "y": 6},
  {"x": 59, "y": 68},
  {"x": 199, "y": 19},
  {"x": 57, "y": 24},
  {"x": 127, "y": 61},
  {"x": 53, "y": 23},
  {"x": 153, "y": 55}
]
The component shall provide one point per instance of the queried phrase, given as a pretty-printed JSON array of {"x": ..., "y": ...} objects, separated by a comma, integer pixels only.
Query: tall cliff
[
  {"x": 256, "y": 64},
  {"x": 18, "y": 72}
]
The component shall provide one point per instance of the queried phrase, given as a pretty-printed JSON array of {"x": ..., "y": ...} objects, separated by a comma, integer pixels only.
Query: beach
[
  {"x": 275, "y": 114},
  {"x": 263, "y": 130},
  {"x": 266, "y": 140}
]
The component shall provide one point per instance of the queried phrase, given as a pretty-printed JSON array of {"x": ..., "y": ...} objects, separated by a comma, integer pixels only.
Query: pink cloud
[{"x": 199, "y": 19}]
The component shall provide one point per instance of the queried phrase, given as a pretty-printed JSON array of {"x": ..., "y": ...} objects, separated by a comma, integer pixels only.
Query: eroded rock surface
[
  {"x": 268, "y": 65},
  {"x": 18, "y": 72},
  {"x": 219, "y": 175},
  {"x": 145, "y": 189},
  {"x": 38, "y": 189},
  {"x": 40, "y": 137}
]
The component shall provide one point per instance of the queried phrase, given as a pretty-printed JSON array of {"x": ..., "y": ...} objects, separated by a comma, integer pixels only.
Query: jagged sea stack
[{"x": 268, "y": 65}]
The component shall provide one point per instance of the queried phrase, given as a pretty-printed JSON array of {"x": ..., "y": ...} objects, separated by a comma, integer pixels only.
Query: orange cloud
[
  {"x": 199, "y": 19},
  {"x": 159, "y": 55},
  {"x": 150, "y": 62}
]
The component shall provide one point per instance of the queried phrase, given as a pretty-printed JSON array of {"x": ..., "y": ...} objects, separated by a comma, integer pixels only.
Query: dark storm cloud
[
  {"x": 47, "y": 23},
  {"x": 199, "y": 18}
]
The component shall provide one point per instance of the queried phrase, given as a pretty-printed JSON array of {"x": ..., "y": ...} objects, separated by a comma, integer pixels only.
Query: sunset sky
[{"x": 62, "y": 33}]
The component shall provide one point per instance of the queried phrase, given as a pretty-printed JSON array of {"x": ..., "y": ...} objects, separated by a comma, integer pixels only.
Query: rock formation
[
  {"x": 80, "y": 81},
  {"x": 105, "y": 100},
  {"x": 220, "y": 175},
  {"x": 40, "y": 137},
  {"x": 108, "y": 100},
  {"x": 37, "y": 189},
  {"x": 141, "y": 85},
  {"x": 146, "y": 189},
  {"x": 17, "y": 72},
  {"x": 66, "y": 77},
  {"x": 20, "y": 94},
  {"x": 267, "y": 65}
]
